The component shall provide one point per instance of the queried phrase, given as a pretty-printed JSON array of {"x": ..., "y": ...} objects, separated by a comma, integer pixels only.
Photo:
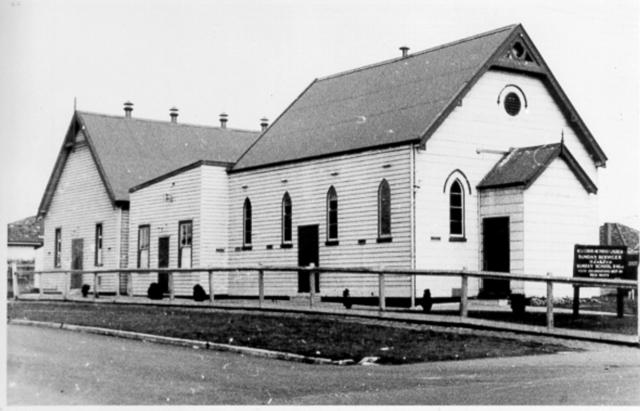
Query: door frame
[
  {"x": 495, "y": 287},
  {"x": 163, "y": 278},
  {"x": 76, "y": 278},
  {"x": 303, "y": 276}
]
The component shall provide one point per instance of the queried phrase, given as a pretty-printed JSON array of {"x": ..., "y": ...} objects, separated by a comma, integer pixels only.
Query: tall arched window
[
  {"x": 332, "y": 214},
  {"x": 286, "y": 219},
  {"x": 456, "y": 209},
  {"x": 246, "y": 223},
  {"x": 384, "y": 210}
]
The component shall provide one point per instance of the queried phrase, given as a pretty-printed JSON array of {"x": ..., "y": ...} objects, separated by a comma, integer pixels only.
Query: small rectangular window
[
  {"x": 57, "y": 252},
  {"x": 144, "y": 232},
  {"x": 98, "y": 245},
  {"x": 185, "y": 241}
]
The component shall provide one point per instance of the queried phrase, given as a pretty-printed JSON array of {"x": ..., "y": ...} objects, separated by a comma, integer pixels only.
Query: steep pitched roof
[
  {"x": 130, "y": 151},
  {"x": 27, "y": 231},
  {"x": 397, "y": 101},
  {"x": 522, "y": 166}
]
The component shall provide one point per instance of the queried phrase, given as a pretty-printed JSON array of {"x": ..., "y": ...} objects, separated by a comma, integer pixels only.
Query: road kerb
[{"x": 198, "y": 344}]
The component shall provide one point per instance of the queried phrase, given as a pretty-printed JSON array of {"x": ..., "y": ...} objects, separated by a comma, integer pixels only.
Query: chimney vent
[
  {"x": 264, "y": 123},
  {"x": 405, "y": 51},
  {"x": 173, "y": 113},
  {"x": 223, "y": 120},
  {"x": 128, "y": 108}
]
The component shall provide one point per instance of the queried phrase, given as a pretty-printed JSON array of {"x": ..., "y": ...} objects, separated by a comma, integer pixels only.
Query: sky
[{"x": 251, "y": 59}]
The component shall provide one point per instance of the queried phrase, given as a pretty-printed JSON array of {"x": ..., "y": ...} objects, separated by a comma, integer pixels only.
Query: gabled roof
[
  {"x": 27, "y": 231},
  {"x": 522, "y": 166},
  {"x": 398, "y": 101},
  {"x": 130, "y": 151}
]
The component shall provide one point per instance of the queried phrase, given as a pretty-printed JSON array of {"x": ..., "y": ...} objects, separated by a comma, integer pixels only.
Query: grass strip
[{"x": 309, "y": 335}]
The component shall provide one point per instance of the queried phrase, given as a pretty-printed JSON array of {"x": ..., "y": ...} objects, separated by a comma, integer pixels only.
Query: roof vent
[
  {"x": 405, "y": 51},
  {"x": 128, "y": 108},
  {"x": 264, "y": 123},
  {"x": 224, "y": 117},
  {"x": 173, "y": 113}
]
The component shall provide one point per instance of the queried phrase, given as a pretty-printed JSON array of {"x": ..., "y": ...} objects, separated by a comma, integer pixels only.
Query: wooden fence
[{"x": 382, "y": 274}]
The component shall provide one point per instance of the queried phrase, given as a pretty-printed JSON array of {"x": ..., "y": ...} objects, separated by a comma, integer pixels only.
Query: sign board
[{"x": 599, "y": 261}]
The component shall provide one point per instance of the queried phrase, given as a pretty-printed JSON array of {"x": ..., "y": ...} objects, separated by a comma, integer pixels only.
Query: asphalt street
[{"x": 57, "y": 367}]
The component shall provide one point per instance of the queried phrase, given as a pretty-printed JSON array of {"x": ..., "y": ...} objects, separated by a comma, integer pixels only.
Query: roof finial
[{"x": 74, "y": 103}]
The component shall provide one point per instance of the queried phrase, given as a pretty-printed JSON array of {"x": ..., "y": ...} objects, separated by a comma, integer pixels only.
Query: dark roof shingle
[
  {"x": 132, "y": 151},
  {"x": 522, "y": 166},
  {"x": 25, "y": 231},
  {"x": 384, "y": 104}
]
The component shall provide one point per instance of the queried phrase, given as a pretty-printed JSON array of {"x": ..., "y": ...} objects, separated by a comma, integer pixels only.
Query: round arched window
[{"x": 512, "y": 104}]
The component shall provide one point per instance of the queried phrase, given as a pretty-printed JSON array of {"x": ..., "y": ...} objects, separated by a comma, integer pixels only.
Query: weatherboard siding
[
  {"x": 356, "y": 182},
  {"x": 559, "y": 213},
  {"x": 79, "y": 202},
  {"x": 478, "y": 123},
  {"x": 214, "y": 214},
  {"x": 148, "y": 206}
]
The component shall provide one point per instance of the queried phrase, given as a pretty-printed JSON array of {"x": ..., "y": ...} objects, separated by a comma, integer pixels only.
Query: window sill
[
  {"x": 384, "y": 239},
  {"x": 247, "y": 248},
  {"x": 457, "y": 239},
  {"x": 286, "y": 245},
  {"x": 331, "y": 243}
]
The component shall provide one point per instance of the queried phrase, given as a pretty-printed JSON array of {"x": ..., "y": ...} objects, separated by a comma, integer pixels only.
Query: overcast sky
[{"x": 251, "y": 59}]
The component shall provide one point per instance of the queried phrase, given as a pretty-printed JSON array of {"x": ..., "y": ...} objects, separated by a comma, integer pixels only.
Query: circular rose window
[{"x": 512, "y": 104}]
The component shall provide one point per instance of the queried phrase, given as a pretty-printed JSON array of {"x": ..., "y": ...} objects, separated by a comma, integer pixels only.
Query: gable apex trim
[
  {"x": 542, "y": 71},
  {"x": 75, "y": 126}
]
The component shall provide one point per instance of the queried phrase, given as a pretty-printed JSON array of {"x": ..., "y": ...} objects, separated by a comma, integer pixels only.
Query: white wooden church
[{"x": 466, "y": 155}]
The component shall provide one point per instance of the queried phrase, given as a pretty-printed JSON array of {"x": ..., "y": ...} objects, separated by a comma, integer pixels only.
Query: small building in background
[
  {"x": 24, "y": 251},
  {"x": 620, "y": 234}
]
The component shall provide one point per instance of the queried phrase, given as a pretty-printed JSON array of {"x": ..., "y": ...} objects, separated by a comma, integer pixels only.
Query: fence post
[
  {"x": 130, "y": 284},
  {"x": 576, "y": 301},
  {"x": 381, "y": 291},
  {"x": 41, "y": 288},
  {"x": 620, "y": 302},
  {"x": 211, "y": 286},
  {"x": 95, "y": 285},
  {"x": 312, "y": 287},
  {"x": 172, "y": 292},
  {"x": 260, "y": 287},
  {"x": 549, "y": 303},
  {"x": 67, "y": 285},
  {"x": 14, "y": 280},
  {"x": 464, "y": 293}
]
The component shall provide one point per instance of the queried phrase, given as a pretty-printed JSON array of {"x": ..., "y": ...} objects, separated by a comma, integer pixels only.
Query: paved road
[{"x": 57, "y": 367}]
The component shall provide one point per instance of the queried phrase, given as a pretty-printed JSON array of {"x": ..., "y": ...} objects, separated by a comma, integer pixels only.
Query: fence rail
[{"x": 549, "y": 279}]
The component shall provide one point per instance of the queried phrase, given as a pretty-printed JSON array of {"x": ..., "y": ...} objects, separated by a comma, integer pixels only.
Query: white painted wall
[
  {"x": 199, "y": 194},
  {"x": 356, "y": 183},
  {"x": 478, "y": 123},
  {"x": 559, "y": 213},
  {"x": 21, "y": 252},
  {"x": 80, "y": 202},
  {"x": 214, "y": 233},
  {"x": 148, "y": 206}
]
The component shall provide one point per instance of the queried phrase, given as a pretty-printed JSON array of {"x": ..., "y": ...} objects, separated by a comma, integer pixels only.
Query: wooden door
[
  {"x": 163, "y": 262},
  {"x": 308, "y": 253},
  {"x": 496, "y": 255},
  {"x": 77, "y": 248}
]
